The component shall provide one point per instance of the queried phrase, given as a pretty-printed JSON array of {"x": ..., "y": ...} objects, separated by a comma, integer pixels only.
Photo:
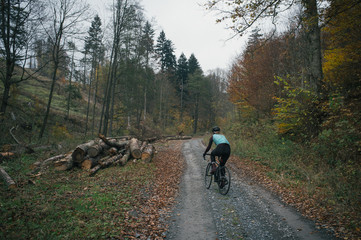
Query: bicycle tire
[
  {"x": 226, "y": 178},
  {"x": 208, "y": 177}
]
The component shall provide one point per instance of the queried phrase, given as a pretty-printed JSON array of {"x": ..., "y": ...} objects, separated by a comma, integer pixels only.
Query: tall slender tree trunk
[
  {"x": 145, "y": 104},
  {"x": 56, "y": 64},
  {"x": 5, "y": 98},
  {"x": 88, "y": 106},
  {"x": 196, "y": 114},
  {"x": 314, "y": 40},
  {"x": 112, "y": 106},
  {"x": 69, "y": 93},
  {"x": 181, "y": 110},
  {"x": 95, "y": 97}
]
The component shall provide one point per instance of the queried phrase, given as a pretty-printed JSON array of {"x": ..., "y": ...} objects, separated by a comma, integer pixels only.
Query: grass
[
  {"x": 324, "y": 192},
  {"x": 70, "y": 205}
]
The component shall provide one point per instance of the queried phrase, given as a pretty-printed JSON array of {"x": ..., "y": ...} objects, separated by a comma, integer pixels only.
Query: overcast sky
[{"x": 191, "y": 29}]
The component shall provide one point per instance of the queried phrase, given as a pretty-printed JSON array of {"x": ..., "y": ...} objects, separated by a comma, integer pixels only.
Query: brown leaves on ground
[
  {"x": 148, "y": 221},
  {"x": 314, "y": 207}
]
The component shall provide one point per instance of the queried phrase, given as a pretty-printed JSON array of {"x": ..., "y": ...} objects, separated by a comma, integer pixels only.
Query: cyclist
[{"x": 223, "y": 149}]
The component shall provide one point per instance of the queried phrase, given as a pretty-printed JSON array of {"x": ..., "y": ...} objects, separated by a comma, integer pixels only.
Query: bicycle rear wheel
[
  {"x": 208, "y": 176},
  {"x": 224, "y": 182}
]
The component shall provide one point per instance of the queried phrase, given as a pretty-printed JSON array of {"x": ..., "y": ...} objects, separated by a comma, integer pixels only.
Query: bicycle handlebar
[{"x": 204, "y": 157}]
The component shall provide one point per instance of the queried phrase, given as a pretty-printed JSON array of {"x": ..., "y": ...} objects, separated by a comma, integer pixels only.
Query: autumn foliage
[{"x": 270, "y": 82}]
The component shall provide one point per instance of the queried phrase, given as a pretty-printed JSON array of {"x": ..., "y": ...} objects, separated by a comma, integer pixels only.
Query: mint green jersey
[{"x": 219, "y": 139}]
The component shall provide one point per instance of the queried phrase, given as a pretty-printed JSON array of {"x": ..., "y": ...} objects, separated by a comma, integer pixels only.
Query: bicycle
[{"x": 223, "y": 180}]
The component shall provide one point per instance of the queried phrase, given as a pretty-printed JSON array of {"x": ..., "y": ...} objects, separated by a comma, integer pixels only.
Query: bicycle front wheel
[
  {"x": 208, "y": 176},
  {"x": 224, "y": 182}
]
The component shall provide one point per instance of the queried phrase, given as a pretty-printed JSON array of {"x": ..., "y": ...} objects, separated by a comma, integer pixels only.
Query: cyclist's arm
[{"x": 209, "y": 145}]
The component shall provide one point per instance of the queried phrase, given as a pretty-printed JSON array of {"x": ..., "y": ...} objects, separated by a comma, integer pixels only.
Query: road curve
[{"x": 247, "y": 212}]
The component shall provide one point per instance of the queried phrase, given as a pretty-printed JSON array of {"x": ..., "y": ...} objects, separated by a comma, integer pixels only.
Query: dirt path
[{"x": 247, "y": 212}]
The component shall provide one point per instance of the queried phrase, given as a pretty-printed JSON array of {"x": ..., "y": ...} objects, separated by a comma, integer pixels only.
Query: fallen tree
[{"x": 8, "y": 180}]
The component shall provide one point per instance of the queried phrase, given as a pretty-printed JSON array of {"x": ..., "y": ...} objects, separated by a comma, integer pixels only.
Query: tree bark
[
  {"x": 125, "y": 158},
  {"x": 113, "y": 142},
  {"x": 135, "y": 148},
  {"x": 106, "y": 163},
  {"x": 95, "y": 150},
  {"x": 89, "y": 163},
  {"x": 8, "y": 180},
  {"x": 64, "y": 164},
  {"x": 314, "y": 38},
  {"x": 80, "y": 152},
  {"x": 46, "y": 162},
  {"x": 148, "y": 153}
]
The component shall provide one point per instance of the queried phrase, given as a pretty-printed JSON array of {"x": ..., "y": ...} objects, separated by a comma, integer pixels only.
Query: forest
[
  {"x": 127, "y": 78},
  {"x": 291, "y": 101}
]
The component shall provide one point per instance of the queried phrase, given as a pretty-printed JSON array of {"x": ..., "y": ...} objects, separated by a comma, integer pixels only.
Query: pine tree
[
  {"x": 193, "y": 64},
  {"x": 182, "y": 76}
]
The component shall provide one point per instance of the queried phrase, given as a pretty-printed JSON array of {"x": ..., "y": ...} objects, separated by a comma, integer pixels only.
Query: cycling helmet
[{"x": 216, "y": 129}]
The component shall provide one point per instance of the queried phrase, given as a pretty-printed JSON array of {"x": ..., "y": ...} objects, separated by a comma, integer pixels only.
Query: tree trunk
[
  {"x": 106, "y": 163},
  {"x": 5, "y": 99},
  {"x": 314, "y": 38},
  {"x": 64, "y": 164},
  {"x": 125, "y": 158},
  {"x": 95, "y": 97},
  {"x": 148, "y": 153},
  {"x": 46, "y": 162},
  {"x": 49, "y": 100},
  {"x": 95, "y": 150},
  {"x": 80, "y": 152},
  {"x": 88, "y": 106},
  {"x": 113, "y": 142},
  {"x": 135, "y": 148},
  {"x": 89, "y": 163},
  {"x": 8, "y": 180},
  {"x": 196, "y": 115}
]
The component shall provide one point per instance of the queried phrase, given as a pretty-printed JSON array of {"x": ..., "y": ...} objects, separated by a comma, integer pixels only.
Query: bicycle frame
[{"x": 224, "y": 180}]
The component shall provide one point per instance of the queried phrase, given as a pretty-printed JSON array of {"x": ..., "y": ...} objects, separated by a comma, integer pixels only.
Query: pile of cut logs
[
  {"x": 101, "y": 153},
  {"x": 95, "y": 155}
]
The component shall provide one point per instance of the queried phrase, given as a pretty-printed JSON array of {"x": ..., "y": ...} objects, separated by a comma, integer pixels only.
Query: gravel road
[{"x": 248, "y": 211}]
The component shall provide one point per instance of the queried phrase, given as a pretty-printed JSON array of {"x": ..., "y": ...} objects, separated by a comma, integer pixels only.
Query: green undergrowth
[
  {"x": 333, "y": 186},
  {"x": 71, "y": 204}
]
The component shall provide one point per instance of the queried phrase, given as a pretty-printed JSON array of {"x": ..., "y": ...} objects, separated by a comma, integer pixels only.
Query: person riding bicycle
[{"x": 223, "y": 149}]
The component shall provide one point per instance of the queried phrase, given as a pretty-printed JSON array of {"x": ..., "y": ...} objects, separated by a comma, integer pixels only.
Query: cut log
[
  {"x": 8, "y": 180},
  {"x": 106, "y": 163},
  {"x": 46, "y": 162},
  {"x": 153, "y": 139},
  {"x": 103, "y": 145},
  {"x": 64, "y": 164},
  {"x": 148, "y": 153},
  {"x": 144, "y": 144},
  {"x": 112, "y": 151},
  {"x": 6, "y": 154},
  {"x": 123, "y": 138},
  {"x": 80, "y": 152},
  {"x": 135, "y": 148},
  {"x": 178, "y": 138},
  {"x": 113, "y": 142},
  {"x": 89, "y": 163},
  {"x": 95, "y": 150},
  {"x": 125, "y": 158}
]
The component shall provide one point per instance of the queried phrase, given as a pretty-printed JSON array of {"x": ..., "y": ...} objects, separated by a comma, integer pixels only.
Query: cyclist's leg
[
  {"x": 226, "y": 151},
  {"x": 214, "y": 153}
]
